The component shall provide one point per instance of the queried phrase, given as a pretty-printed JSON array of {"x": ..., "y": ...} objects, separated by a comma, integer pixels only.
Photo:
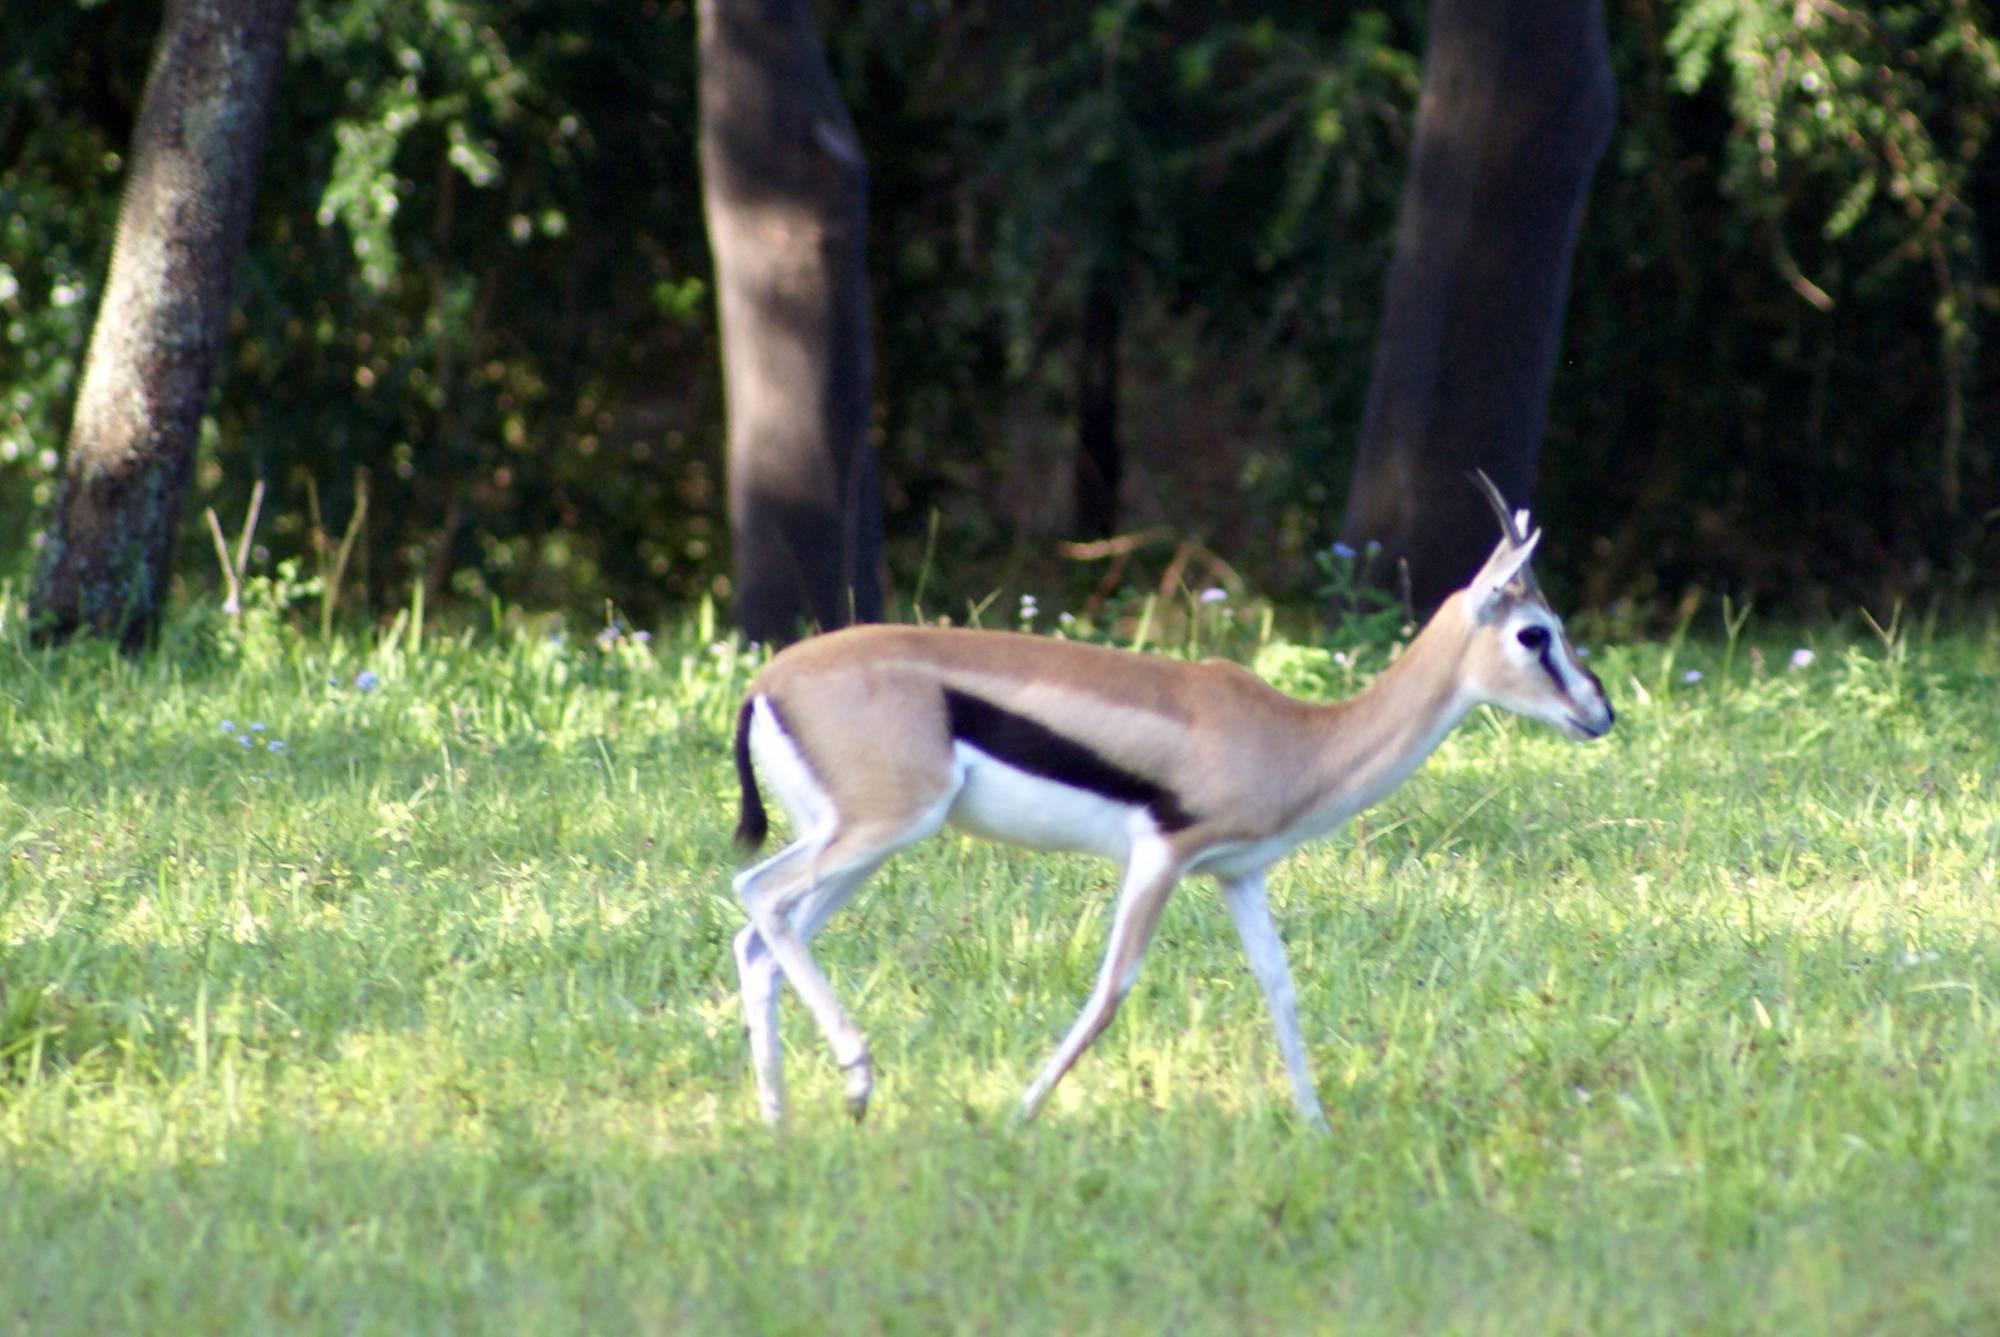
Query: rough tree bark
[
  {"x": 1515, "y": 112},
  {"x": 785, "y": 191},
  {"x": 192, "y": 176}
]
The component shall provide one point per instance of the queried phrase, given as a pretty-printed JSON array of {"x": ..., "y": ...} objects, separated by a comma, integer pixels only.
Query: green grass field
[{"x": 426, "y": 1020}]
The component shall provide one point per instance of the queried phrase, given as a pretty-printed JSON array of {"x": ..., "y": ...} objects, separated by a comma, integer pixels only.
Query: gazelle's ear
[{"x": 1501, "y": 570}]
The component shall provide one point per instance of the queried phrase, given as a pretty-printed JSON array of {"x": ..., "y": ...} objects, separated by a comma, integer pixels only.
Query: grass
[{"x": 427, "y": 1021}]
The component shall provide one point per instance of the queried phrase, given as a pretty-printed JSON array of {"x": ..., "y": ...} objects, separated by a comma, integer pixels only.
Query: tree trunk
[
  {"x": 190, "y": 182},
  {"x": 1099, "y": 466},
  {"x": 785, "y": 190},
  {"x": 1515, "y": 112}
]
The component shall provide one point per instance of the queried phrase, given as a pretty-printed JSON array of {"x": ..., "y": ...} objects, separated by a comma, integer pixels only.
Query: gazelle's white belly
[{"x": 1003, "y": 802}]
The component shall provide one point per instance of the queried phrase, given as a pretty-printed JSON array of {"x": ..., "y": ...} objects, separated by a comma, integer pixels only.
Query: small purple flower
[
  {"x": 1342, "y": 551},
  {"x": 1583, "y": 652},
  {"x": 243, "y": 740},
  {"x": 1214, "y": 594},
  {"x": 258, "y": 727},
  {"x": 1691, "y": 676},
  {"x": 229, "y": 726},
  {"x": 275, "y": 745},
  {"x": 1374, "y": 546},
  {"x": 1803, "y": 658},
  {"x": 643, "y": 637},
  {"x": 367, "y": 680}
]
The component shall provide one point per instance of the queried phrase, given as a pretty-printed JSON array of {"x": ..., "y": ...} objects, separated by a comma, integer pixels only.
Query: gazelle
[{"x": 876, "y": 736}]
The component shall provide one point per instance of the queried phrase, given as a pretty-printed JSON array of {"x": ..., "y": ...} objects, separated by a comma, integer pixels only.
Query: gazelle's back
[{"x": 1090, "y": 714}]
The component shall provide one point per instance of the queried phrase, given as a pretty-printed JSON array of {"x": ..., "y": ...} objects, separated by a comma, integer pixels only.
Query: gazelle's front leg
[
  {"x": 1251, "y": 909},
  {"x": 1150, "y": 875}
]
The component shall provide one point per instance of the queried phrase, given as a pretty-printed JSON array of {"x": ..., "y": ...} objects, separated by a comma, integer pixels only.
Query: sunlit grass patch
[{"x": 428, "y": 1020}]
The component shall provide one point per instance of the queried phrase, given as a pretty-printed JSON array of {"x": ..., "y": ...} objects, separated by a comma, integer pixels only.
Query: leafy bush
[{"x": 478, "y": 278}]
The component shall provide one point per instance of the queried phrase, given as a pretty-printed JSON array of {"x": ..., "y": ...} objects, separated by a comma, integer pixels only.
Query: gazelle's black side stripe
[{"x": 1039, "y": 750}]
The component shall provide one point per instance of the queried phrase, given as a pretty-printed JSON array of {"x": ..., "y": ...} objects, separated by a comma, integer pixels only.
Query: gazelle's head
[{"x": 1519, "y": 659}]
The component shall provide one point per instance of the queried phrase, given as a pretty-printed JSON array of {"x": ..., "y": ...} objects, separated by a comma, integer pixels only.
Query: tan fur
[
  {"x": 1208, "y": 731},
  {"x": 1257, "y": 771},
  {"x": 865, "y": 706}
]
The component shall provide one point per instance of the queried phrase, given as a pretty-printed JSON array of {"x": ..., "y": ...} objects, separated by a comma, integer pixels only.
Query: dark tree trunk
[
  {"x": 785, "y": 190},
  {"x": 190, "y": 182},
  {"x": 1516, "y": 109},
  {"x": 1099, "y": 467}
]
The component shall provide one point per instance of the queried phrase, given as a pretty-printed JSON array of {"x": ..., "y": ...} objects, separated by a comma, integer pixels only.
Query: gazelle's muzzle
[{"x": 1592, "y": 715}]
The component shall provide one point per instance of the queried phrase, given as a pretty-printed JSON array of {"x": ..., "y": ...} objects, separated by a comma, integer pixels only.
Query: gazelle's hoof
[{"x": 860, "y": 1084}]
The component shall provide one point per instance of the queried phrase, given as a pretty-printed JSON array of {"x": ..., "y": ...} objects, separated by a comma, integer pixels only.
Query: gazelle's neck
[{"x": 1372, "y": 741}]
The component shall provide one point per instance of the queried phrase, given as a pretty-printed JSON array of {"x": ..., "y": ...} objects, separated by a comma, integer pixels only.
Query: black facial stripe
[
  {"x": 1039, "y": 750},
  {"x": 1549, "y": 665},
  {"x": 1596, "y": 686}
]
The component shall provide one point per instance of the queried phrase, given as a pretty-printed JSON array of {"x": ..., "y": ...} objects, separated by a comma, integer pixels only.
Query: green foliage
[
  {"x": 502, "y": 245},
  {"x": 65, "y": 67},
  {"x": 424, "y": 1018},
  {"x": 420, "y": 300},
  {"x": 1233, "y": 181},
  {"x": 1801, "y": 203},
  {"x": 478, "y": 276}
]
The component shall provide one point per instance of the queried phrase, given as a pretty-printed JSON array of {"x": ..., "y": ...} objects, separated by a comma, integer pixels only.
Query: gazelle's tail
[{"x": 751, "y": 824}]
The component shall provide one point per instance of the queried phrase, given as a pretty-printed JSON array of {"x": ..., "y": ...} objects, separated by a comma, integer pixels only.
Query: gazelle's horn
[{"x": 1511, "y": 522}]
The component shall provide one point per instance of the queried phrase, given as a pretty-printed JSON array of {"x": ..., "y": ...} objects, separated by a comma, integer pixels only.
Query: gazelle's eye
[{"x": 1533, "y": 639}]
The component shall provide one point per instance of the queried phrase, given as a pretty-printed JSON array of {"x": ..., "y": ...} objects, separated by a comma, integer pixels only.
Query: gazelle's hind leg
[
  {"x": 758, "y": 978},
  {"x": 1150, "y": 875},
  {"x": 761, "y": 978},
  {"x": 907, "y": 784},
  {"x": 789, "y": 898}
]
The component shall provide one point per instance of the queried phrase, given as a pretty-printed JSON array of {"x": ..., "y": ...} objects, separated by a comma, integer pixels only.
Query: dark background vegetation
[{"x": 478, "y": 278}]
